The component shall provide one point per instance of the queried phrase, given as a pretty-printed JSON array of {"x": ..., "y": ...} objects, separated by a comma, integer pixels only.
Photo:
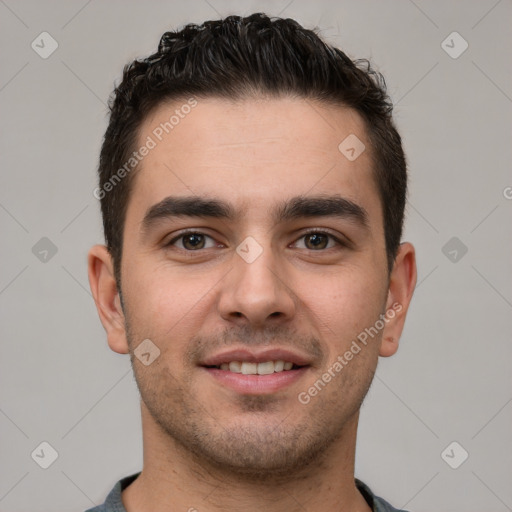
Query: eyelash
[{"x": 309, "y": 232}]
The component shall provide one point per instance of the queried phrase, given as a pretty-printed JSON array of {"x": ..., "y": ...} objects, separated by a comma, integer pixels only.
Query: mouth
[
  {"x": 250, "y": 373},
  {"x": 250, "y": 368}
]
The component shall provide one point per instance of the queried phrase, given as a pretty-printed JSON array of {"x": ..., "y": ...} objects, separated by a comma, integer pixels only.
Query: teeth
[
  {"x": 266, "y": 368},
  {"x": 235, "y": 367},
  {"x": 249, "y": 368},
  {"x": 278, "y": 366}
]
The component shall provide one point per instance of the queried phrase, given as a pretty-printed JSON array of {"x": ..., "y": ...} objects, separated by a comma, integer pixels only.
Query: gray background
[{"x": 450, "y": 380}]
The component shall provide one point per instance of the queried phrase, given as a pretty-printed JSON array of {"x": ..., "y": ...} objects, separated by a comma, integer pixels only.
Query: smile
[{"x": 264, "y": 368}]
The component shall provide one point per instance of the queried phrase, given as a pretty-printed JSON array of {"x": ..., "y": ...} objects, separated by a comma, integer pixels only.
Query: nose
[{"x": 257, "y": 292}]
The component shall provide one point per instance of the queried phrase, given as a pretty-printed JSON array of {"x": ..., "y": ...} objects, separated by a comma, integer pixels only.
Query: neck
[{"x": 174, "y": 479}]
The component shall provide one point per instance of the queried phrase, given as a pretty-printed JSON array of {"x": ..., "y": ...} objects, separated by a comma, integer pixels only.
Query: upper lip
[{"x": 255, "y": 356}]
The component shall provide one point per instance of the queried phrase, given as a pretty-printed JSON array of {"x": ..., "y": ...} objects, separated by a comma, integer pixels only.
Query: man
[{"x": 252, "y": 187}]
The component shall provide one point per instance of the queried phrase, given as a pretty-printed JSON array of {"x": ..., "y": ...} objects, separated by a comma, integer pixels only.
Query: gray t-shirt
[{"x": 113, "y": 502}]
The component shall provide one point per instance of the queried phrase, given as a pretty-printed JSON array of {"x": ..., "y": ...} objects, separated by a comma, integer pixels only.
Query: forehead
[{"x": 254, "y": 152}]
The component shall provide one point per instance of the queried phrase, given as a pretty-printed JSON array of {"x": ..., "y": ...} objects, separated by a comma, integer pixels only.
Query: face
[{"x": 251, "y": 240}]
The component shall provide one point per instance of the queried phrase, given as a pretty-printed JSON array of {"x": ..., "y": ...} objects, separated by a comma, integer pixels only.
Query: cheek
[
  {"x": 346, "y": 306},
  {"x": 164, "y": 305}
]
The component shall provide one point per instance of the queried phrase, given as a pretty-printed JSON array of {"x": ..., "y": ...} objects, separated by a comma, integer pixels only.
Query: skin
[{"x": 207, "y": 446}]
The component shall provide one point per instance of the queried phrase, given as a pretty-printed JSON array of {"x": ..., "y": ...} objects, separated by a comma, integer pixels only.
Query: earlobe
[
  {"x": 106, "y": 296},
  {"x": 388, "y": 347},
  {"x": 401, "y": 287}
]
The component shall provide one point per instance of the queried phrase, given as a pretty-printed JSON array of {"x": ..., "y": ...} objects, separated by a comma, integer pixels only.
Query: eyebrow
[{"x": 291, "y": 209}]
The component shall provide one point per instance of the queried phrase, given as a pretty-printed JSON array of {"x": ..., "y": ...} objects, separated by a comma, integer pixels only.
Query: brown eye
[
  {"x": 191, "y": 241},
  {"x": 318, "y": 240}
]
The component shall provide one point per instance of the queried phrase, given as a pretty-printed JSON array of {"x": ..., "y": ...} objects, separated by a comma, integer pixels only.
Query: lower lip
[{"x": 256, "y": 384}]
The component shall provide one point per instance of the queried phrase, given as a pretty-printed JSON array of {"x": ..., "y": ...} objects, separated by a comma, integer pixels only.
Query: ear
[
  {"x": 401, "y": 287},
  {"x": 106, "y": 296}
]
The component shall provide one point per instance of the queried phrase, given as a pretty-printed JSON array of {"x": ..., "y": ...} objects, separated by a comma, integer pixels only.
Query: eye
[
  {"x": 313, "y": 240},
  {"x": 318, "y": 240},
  {"x": 192, "y": 241}
]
